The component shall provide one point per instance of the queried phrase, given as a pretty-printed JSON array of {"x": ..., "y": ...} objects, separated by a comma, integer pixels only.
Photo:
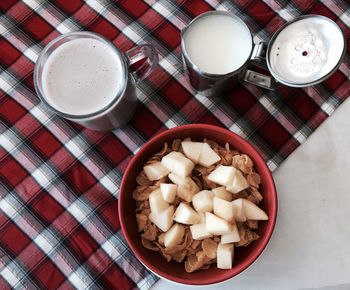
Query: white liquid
[
  {"x": 306, "y": 50},
  {"x": 218, "y": 44},
  {"x": 82, "y": 76}
]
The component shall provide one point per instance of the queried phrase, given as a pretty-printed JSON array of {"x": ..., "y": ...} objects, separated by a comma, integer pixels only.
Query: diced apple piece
[
  {"x": 192, "y": 150},
  {"x": 168, "y": 191},
  {"x": 187, "y": 190},
  {"x": 216, "y": 225},
  {"x": 239, "y": 210},
  {"x": 185, "y": 214},
  {"x": 224, "y": 209},
  {"x": 156, "y": 201},
  {"x": 223, "y": 175},
  {"x": 239, "y": 183},
  {"x": 222, "y": 193},
  {"x": 177, "y": 163},
  {"x": 199, "y": 232},
  {"x": 163, "y": 220},
  {"x": 186, "y": 187},
  {"x": 208, "y": 156},
  {"x": 155, "y": 171},
  {"x": 174, "y": 236},
  {"x": 253, "y": 212},
  {"x": 224, "y": 256},
  {"x": 176, "y": 179},
  {"x": 203, "y": 201},
  {"x": 231, "y": 237}
]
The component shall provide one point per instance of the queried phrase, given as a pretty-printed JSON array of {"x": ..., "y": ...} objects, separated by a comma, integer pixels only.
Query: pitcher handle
[{"x": 258, "y": 58}]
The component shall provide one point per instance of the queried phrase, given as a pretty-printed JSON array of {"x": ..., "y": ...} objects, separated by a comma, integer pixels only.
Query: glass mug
[
  {"x": 83, "y": 77},
  {"x": 218, "y": 50}
]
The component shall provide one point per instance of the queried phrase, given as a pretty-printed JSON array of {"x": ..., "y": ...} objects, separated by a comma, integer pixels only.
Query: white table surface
[{"x": 310, "y": 246}]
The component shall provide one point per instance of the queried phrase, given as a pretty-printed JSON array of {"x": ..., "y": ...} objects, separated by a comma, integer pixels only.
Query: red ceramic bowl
[{"x": 173, "y": 271}]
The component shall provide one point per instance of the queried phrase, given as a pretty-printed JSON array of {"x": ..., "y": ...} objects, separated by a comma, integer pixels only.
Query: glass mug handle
[
  {"x": 259, "y": 59},
  {"x": 139, "y": 52}
]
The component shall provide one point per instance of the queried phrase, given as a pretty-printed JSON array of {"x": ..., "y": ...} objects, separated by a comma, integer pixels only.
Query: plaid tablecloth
[{"x": 59, "y": 182}]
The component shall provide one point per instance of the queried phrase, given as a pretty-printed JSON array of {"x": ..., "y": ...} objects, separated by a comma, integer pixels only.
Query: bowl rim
[{"x": 258, "y": 251}]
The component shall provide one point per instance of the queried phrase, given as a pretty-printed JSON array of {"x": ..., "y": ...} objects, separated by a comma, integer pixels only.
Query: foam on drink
[
  {"x": 306, "y": 50},
  {"x": 218, "y": 44},
  {"x": 82, "y": 76}
]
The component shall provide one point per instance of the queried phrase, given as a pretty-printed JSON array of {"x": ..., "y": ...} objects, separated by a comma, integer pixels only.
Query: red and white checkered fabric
[{"x": 59, "y": 182}]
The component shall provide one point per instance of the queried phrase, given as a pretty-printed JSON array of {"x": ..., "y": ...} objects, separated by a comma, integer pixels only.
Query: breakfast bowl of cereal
[{"x": 197, "y": 204}]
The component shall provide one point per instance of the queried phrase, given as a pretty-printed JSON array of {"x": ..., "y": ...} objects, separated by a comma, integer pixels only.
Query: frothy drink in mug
[
  {"x": 218, "y": 44},
  {"x": 84, "y": 78}
]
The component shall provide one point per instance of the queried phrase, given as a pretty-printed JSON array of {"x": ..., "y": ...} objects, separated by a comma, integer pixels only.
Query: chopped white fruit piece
[
  {"x": 223, "y": 175},
  {"x": 178, "y": 180},
  {"x": 203, "y": 201},
  {"x": 216, "y": 225},
  {"x": 185, "y": 214},
  {"x": 156, "y": 201},
  {"x": 253, "y": 212},
  {"x": 199, "y": 232},
  {"x": 224, "y": 209},
  {"x": 187, "y": 190},
  {"x": 186, "y": 187},
  {"x": 222, "y": 193},
  {"x": 163, "y": 220},
  {"x": 239, "y": 210},
  {"x": 202, "y": 216},
  {"x": 168, "y": 191},
  {"x": 192, "y": 150},
  {"x": 174, "y": 236},
  {"x": 208, "y": 156},
  {"x": 155, "y": 171},
  {"x": 224, "y": 256},
  {"x": 177, "y": 163},
  {"x": 239, "y": 183},
  {"x": 231, "y": 237}
]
